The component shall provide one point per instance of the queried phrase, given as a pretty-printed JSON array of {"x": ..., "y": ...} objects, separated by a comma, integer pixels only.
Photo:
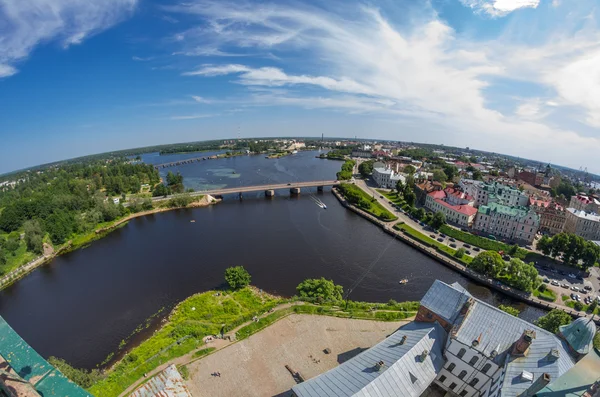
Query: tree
[
  {"x": 438, "y": 220},
  {"x": 160, "y": 190},
  {"x": 450, "y": 170},
  {"x": 477, "y": 175},
  {"x": 34, "y": 236},
  {"x": 488, "y": 262},
  {"x": 410, "y": 197},
  {"x": 460, "y": 253},
  {"x": 419, "y": 213},
  {"x": 578, "y": 306},
  {"x": 513, "y": 249},
  {"x": 409, "y": 169},
  {"x": 399, "y": 187},
  {"x": 554, "y": 319},
  {"x": 237, "y": 277},
  {"x": 320, "y": 289},
  {"x": 593, "y": 306},
  {"x": 510, "y": 310},
  {"x": 366, "y": 168},
  {"x": 544, "y": 245},
  {"x": 473, "y": 159},
  {"x": 439, "y": 176}
]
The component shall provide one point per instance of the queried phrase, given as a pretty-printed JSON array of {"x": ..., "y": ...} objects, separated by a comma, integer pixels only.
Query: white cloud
[
  {"x": 426, "y": 72},
  {"x": 27, "y": 23},
  {"x": 142, "y": 59},
  {"x": 199, "y": 99},
  {"x": 7, "y": 70},
  {"x": 499, "y": 8},
  {"x": 191, "y": 117}
]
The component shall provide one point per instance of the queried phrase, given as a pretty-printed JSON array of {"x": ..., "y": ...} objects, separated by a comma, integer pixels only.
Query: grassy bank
[
  {"x": 432, "y": 242},
  {"x": 194, "y": 318},
  {"x": 544, "y": 293},
  {"x": 481, "y": 242},
  {"x": 362, "y": 200}
]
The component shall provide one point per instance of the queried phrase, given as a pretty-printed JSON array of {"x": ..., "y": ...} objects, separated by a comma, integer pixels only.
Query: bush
[
  {"x": 237, "y": 277},
  {"x": 320, "y": 289},
  {"x": 82, "y": 377},
  {"x": 460, "y": 253},
  {"x": 185, "y": 372},
  {"x": 578, "y": 306},
  {"x": 554, "y": 319},
  {"x": 509, "y": 309}
]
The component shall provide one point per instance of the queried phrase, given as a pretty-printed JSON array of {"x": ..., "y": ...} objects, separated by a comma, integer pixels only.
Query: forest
[{"x": 52, "y": 205}]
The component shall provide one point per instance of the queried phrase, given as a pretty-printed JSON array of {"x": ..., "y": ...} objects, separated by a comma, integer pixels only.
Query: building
[
  {"x": 462, "y": 345},
  {"x": 365, "y": 152},
  {"x": 552, "y": 215},
  {"x": 24, "y": 373},
  {"x": 387, "y": 178},
  {"x": 532, "y": 178},
  {"x": 485, "y": 192},
  {"x": 456, "y": 205},
  {"x": 518, "y": 224},
  {"x": 167, "y": 383},
  {"x": 585, "y": 203},
  {"x": 582, "y": 223}
]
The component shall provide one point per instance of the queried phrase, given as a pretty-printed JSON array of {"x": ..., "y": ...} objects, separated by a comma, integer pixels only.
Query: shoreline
[
  {"x": 16, "y": 274},
  {"x": 454, "y": 265}
]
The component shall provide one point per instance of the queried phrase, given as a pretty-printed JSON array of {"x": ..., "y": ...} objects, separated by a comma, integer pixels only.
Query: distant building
[
  {"x": 552, "y": 215},
  {"x": 533, "y": 178},
  {"x": 387, "y": 178},
  {"x": 585, "y": 203},
  {"x": 582, "y": 223},
  {"x": 456, "y": 205},
  {"x": 364, "y": 151},
  {"x": 467, "y": 348},
  {"x": 485, "y": 193},
  {"x": 512, "y": 223}
]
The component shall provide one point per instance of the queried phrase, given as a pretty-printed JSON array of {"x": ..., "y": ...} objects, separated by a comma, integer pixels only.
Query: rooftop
[
  {"x": 504, "y": 209},
  {"x": 463, "y": 209},
  {"x": 576, "y": 380},
  {"x": 168, "y": 383},
  {"x": 444, "y": 300},
  {"x": 405, "y": 372},
  {"x": 580, "y": 334},
  {"x": 584, "y": 215}
]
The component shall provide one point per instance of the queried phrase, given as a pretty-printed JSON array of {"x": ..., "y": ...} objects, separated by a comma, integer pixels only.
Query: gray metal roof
[
  {"x": 168, "y": 383},
  {"x": 404, "y": 374},
  {"x": 445, "y": 300},
  {"x": 577, "y": 380},
  {"x": 497, "y": 330},
  {"x": 580, "y": 334}
]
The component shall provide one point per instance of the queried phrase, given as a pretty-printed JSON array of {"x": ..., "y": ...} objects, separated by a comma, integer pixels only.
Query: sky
[{"x": 520, "y": 77}]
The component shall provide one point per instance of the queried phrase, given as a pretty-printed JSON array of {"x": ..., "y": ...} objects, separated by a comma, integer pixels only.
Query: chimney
[
  {"x": 403, "y": 339},
  {"x": 424, "y": 355},
  {"x": 536, "y": 386},
  {"x": 521, "y": 347}
]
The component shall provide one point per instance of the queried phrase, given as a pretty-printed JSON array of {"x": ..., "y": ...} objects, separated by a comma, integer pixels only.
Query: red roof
[
  {"x": 538, "y": 203},
  {"x": 438, "y": 194},
  {"x": 458, "y": 194},
  {"x": 463, "y": 209}
]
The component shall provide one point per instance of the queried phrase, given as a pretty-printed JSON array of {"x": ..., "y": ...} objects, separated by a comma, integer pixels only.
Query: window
[
  {"x": 461, "y": 353},
  {"x": 462, "y": 374},
  {"x": 452, "y": 386},
  {"x": 463, "y": 393},
  {"x": 442, "y": 379},
  {"x": 451, "y": 367},
  {"x": 486, "y": 368},
  {"x": 473, "y": 360},
  {"x": 474, "y": 382}
]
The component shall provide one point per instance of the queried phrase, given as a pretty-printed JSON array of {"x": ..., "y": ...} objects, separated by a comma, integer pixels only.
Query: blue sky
[{"x": 512, "y": 76}]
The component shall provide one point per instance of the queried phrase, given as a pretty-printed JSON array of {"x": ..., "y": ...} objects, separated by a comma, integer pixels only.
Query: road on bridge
[{"x": 255, "y": 188}]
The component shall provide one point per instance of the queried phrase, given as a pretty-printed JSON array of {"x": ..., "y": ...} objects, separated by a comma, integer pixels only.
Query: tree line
[{"x": 573, "y": 250}]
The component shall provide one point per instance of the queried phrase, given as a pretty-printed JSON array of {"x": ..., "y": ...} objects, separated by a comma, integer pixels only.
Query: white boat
[
  {"x": 403, "y": 281},
  {"x": 295, "y": 152}
]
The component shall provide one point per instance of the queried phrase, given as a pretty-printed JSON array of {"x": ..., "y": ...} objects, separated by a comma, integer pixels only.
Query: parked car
[
  {"x": 546, "y": 280},
  {"x": 572, "y": 296},
  {"x": 466, "y": 245},
  {"x": 432, "y": 235},
  {"x": 583, "y": 291},
  {"x": 571, "y": 275},
  {"x": 443, "y": 235},
  {"x": 588, "y": 287},
  {"x": 565, "y": 285},
  {"x": 476, "y": 249},
  {"x": 381, "y": 197},
  {"x": 554, "y": 282},
  {"x": 575, "y": 288},
  {"x": 578, "y": 298},
  {"x": 453, "y": 245},
  {"x": 440, "y": 239},
  {"x": 453, "y": 240},
  {"x": 468, "y": 252}
]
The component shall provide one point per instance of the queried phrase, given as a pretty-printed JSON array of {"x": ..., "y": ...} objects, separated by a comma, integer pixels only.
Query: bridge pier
[
  {"x": 269, "y": 193},
  {"x": 295, "y": 190},
  {"x": 319, "y": 188}
]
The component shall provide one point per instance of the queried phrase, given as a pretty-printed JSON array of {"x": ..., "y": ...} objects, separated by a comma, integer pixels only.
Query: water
[
  {"x": 80, "y": 306},
  {"x": 246, "y": 170}
]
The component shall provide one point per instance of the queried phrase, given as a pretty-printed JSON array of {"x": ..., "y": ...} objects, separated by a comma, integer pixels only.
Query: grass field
[
  {"x": 481, "y": 242},
  {"x": 196, "y": 317},
  {"x": 547, "y": 295},
  {"x": 392, "y": 196},
  {"x": 364, "y": 201}
]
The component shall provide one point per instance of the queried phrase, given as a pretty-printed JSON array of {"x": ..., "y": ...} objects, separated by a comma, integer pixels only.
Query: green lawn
[
  {"x": 431, "y": 242},
  {"x": 481, "y": 242},
  {"x": 547, "y": 295},
  {"x": 17, "y": 258},
  {"x": 198, "y": 316},
  {"x": 364, "y": 201},
  {"x": 392, "y": 196}
]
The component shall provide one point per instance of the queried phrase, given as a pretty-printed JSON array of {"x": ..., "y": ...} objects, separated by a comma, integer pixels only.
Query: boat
[
  {"x": 193, "y": 221},
  {"x": 403, "y": 281}
]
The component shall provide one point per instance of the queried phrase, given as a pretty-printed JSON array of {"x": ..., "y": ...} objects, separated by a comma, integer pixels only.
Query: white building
[
  {"x": 585, "y": 203},
  {"x": 469, "y": 349},
  {"x": 512, "y": 223},
  {"x": 583, "y": 224},
  {"x": 387, "y": 178}
]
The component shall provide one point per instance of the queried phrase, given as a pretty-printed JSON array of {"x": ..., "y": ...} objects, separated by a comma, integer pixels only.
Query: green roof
[
  {"x": 504, "y": 209},
  {"x": 47, "y": 380},
  {"x": 575, "y": 381},
  {"x": 579, "y": 334}
]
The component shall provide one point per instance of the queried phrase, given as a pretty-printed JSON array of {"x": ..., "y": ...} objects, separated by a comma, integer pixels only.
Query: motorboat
[{"x": 403, "y": 281}]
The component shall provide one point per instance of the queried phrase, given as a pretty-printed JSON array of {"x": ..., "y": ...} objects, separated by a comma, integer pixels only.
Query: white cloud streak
[
  {"x": 499, "y": 8},
  {"x": 24, "y": 24},
  {"x": 191, "y": 117}
]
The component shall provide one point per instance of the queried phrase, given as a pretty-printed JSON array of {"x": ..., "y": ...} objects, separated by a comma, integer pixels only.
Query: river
[{"x": 81, "y": 305}]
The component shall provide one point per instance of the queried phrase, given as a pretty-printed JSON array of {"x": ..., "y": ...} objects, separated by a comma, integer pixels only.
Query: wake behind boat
[{"x": 319, "y": 202}]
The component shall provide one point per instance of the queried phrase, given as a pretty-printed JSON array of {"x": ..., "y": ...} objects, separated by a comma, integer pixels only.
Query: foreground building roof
[
  {"x": 579, "y": 334},
  {"x": 411, "y": 357},
  {"x": 168, "y": 383},
  {"x": 26, "y": 364},
  {"x": 445, "y": 300},
  {"x": 584, "y": 376}
]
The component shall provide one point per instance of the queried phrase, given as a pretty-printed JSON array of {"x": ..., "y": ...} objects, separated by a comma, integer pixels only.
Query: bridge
[
  {"x": 295, "y": 188},
  {"x": 182, "y": 162}
]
